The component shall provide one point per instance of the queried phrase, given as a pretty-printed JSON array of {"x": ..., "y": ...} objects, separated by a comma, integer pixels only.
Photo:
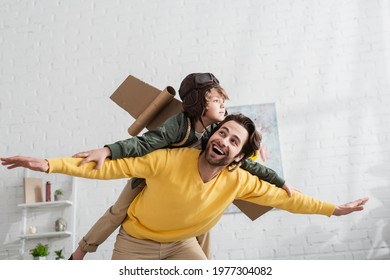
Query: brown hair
[{"x": 207, "y": 97}]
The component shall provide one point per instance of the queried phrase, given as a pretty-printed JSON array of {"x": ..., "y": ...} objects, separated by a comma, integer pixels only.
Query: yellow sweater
[{"x": 176, "y": 204}]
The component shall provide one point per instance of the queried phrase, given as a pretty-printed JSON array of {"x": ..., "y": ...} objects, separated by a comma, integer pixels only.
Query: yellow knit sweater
[{"x": 176, "y": 204}]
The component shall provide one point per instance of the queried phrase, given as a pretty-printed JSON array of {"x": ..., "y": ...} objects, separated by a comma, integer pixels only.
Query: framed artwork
[{"x": 265, "y": 118}]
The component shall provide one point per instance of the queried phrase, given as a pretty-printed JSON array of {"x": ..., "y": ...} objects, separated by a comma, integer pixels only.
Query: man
[{"x": 188, "y": 191}]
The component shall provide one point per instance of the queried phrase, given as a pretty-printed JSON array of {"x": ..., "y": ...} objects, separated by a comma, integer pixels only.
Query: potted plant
[
  {"x": 59, "y": 255},
  {"x": 58, "y": 194},
  {"x": 40, "y": 251}
]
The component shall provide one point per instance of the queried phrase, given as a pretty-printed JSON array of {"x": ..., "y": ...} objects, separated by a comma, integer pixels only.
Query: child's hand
[
  {"x": 289, "y": 190},
  {"x": 264, "y": 153},
  {"x": 98, "y": 156}
]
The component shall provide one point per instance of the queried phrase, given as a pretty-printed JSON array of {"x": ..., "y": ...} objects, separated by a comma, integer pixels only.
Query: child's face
[{"x": 215, "y": 107}]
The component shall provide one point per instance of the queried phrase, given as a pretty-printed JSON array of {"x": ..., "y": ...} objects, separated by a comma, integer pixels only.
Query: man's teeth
[{"x": 218, "y": 151}]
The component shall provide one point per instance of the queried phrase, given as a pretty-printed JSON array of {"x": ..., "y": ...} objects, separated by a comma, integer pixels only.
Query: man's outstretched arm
[
  {"x": 263, "y": 193},
  {"x": 113, "y": 169}
]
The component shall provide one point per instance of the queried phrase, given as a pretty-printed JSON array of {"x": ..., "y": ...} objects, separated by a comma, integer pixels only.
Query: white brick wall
[{"x": 324, "y": 63}]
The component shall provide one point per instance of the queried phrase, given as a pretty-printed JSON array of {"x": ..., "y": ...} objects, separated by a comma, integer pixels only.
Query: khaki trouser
[
  {"x": 130, "y": 248},
  {"x": 113, "y": 218}
]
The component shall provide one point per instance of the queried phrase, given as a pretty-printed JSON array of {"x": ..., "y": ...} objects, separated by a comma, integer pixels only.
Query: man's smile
[{"x": 217, "y": 150}]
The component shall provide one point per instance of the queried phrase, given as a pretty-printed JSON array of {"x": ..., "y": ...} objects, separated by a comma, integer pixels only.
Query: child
[{"x": 203, "y": 107}]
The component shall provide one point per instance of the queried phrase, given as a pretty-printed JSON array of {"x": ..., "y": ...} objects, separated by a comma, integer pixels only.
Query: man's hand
[
  {"x": 347, "y": 208},
  {"x": 97, "y": 155},
  {"x": 35, "y": 164}
]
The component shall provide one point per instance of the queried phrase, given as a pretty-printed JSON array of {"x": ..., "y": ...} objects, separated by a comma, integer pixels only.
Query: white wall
[{"x": 324, "y": 63}]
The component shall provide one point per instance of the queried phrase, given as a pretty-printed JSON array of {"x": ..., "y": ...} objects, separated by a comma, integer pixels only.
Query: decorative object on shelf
[
  {"x": 59, "y": 255},
  {"x": 32, "y": 230},
  {"x": 33, "y": 190},
  {"x": 42, "y": 215},
  {"x": 60, "y": 224},
  {"x": 40, "y": 251},
  {"x": 41, "y": 232},
  {"x": 58, "y": 194},
  {"x": 48, "y": 191}
]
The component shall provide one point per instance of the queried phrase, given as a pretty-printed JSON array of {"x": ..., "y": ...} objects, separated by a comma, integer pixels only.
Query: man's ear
[
  {"x": 236, "y": 163},
  {"x": 239, "y": 157}
]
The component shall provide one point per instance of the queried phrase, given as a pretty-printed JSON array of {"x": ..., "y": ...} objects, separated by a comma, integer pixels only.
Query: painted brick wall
[{"x": 325, "y": 64}]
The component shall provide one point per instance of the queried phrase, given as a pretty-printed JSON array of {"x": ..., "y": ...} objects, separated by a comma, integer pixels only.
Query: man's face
[{"x": 225, "y": 145}]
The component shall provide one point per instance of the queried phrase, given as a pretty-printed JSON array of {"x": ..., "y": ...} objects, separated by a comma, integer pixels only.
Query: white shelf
[
  {"x": 36, "y": 212},
  {"x": 46, "y": 235},
  {"x": 60, "y": 203}
]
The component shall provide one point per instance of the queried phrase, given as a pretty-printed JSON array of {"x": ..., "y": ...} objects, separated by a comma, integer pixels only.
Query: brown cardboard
[
  {"x": 150, "y": 107},
  {"x": 33, "y": 190},
  {"x": 252, "y": 210}
]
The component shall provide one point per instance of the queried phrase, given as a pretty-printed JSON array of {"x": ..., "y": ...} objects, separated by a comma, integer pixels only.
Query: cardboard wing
[
  {"x": 252, "y": 210},
  {"x": 149, "y": 106}
]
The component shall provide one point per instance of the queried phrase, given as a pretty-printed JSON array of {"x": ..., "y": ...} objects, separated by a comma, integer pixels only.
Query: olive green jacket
[{"x": 179, "y": 131}]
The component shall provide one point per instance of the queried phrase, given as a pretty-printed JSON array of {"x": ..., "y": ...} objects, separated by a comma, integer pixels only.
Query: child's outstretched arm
[
  {"x": 171, "y": 131},
  {"x": 267, "y": 174}
]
